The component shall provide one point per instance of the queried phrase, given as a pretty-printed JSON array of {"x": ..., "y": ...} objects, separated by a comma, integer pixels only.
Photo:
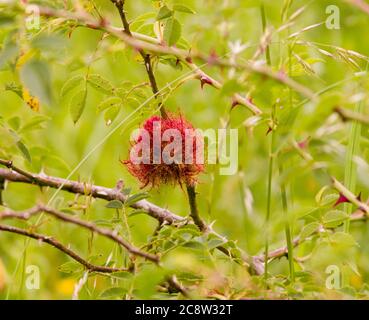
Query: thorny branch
[{"x": 185, "y": 56}]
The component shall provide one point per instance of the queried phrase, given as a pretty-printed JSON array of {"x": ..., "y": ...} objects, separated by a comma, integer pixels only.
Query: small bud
[{"x": 189, "y": 59}]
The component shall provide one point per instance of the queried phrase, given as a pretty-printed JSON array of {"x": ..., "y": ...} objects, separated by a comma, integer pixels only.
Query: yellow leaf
[
  {"x": 23, "y": 58},
  {"x": 33, "y": 102},
  {"x": 65, "y": 286}
]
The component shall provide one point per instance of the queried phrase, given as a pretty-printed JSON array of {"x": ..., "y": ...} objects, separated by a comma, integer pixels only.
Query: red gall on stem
[{"x": 156, "y": 170}]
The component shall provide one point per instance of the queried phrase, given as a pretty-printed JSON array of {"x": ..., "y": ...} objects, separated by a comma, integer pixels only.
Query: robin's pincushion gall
[{"x": 177, "y": 141}]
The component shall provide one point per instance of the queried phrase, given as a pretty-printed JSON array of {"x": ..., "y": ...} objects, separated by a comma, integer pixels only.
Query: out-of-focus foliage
[{"x": 65, "y": 87}]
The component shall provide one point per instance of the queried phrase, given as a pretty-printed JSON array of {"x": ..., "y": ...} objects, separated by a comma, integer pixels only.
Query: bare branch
[{"x": 99, "y": 192}]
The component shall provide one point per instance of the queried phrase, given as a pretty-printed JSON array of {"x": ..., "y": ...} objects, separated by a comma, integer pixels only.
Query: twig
[
  {"x": 194, "y": 211},
  {"x": 56, "y": 244},
  {"x": 175, "y": 284}
]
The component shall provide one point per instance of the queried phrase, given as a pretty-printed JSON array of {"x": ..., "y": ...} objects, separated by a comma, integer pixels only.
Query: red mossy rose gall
[{"x": 166, "y": 151}]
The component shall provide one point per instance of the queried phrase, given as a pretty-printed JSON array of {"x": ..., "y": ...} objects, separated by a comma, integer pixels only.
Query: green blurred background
[{"x": 237, "y": 203}]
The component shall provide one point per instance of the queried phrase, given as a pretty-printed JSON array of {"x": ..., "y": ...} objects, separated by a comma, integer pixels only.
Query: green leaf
[
  {"x": 103, "y": 223},
  {"x": 187, "y": 232},
  {"x": 70, "y": 267},
  {"x": 172, "y": 31},
  {"x": 107, "y": 103},
  {"x": 164, "y": 13},
  {"x": 111, "y": 114},
  {"x": 77, "y": 105},
  {"x": 334, "y": 218},
  {"x": 182, "y": 8},
  {"x": 15, "y": 88},
  {"x": 53, "y": 42},
  {"x": 121, "y": 275},
  {"x": 24, "y": 151},
  {"x": 8, "y": 53},
  {"x": 36, "y": 78},
  {"x": 309, "y": 229},
  {"x": 70, "y": 84},
  {"x": 135, "y": 198},
  {"x": 114, "y": 292},
  {"x": 33, "y": 124},
  {"x": 343, "y": 239},
  {"x": 230, "y": 87},
  {"x": 213, "y": 243},
  {"x": 101, "y": 84},
  {"x": 114, "y": 204},
  {"x": 14, "y": 122},
  {"x": 6, "y": 20},
  {"x": 137, "y": 212},
  {"x": 55, "y": 162}
]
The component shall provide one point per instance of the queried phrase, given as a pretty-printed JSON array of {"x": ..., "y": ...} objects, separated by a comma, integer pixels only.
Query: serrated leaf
[
  {"x": 24, "y": 151},
  {"x": 70, "y": 84},
  {"x": 114, "y": 204},
  {"x": 101, "y": 84},
  {"x": 343, "y": 239},
  {"x": 103, "y": 223},
  {"x": 213, "y": 243},
  {"x": 135, "y": 198},
  {"x": 334, "y": 218},
  {"x": 8, "y": 53},
  {"x": 121, "y": 275},
  {"x": 107, "y": 103},
  {"x": 164, "y": 13},
  {"x": 137, "y": 212},
  {"x": 172, "y": 31},
  {"x": 33, "y": 124},
  {"x": 70, "y": 267},
  {"x": 191, "y": 229},
  {"x": 77, "y": 105},
  {"x": 14, "y": 122},
  {"x": 309, "y": 229},
  {"x": 111, "y": 114},
  {"x": 182, "y": 8},
  {"x": 36, "y": 78}
]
